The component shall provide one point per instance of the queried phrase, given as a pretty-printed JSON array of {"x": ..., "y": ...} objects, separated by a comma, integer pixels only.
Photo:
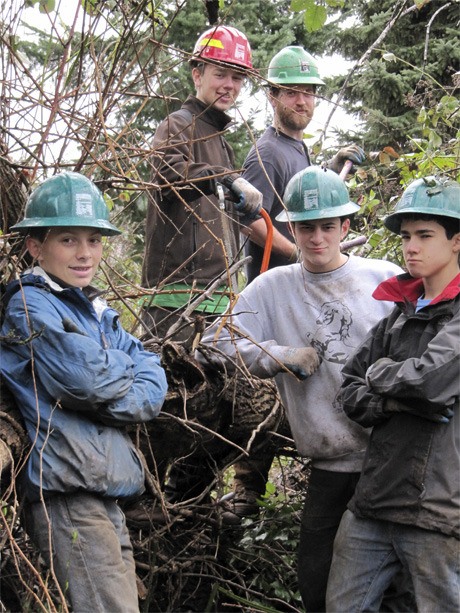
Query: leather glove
[
  {"x": 354, "y": 153},
  {"x": 248, "y": 199},
  {"x": 302, "y": 361}
]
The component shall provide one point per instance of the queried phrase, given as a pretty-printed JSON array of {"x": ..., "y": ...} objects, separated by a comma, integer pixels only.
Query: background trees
[{"x": 83, "y": 87}]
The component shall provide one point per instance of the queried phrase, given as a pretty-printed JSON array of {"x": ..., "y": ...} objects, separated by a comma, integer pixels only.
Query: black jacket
[{"x": 403, "y": 377}]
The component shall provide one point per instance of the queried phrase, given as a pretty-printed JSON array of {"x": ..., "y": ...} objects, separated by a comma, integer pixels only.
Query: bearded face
[{"x": 294, "y": 108}]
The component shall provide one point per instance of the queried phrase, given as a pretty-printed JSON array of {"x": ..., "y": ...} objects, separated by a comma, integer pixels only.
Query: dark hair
[
  {"x": 38, "y": 234},
  {"x": 196, "y": 63},
  {"x": 451, "y": 225}
]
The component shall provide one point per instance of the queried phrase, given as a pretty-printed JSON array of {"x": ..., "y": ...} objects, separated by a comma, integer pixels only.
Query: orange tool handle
[{"x": 268, "y": 241}]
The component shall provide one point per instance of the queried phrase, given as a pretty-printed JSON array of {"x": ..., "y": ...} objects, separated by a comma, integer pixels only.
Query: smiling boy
[
  {"x": 78, "y": 379},
  {"x": 298, "y": 324},
  {"x": 404, "y": 382}
]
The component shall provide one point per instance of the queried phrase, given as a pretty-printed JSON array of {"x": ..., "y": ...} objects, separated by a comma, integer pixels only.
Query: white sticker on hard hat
[
  {"x": 239, "y": 52},
  {"x": 304, "y": 67},
  {"x": 310, "y": 199},
  {"x": 83, "y": 205}
]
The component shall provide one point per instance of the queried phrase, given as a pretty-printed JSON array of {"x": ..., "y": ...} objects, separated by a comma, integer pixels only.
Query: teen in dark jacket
[{"x": 404, "y": 382}]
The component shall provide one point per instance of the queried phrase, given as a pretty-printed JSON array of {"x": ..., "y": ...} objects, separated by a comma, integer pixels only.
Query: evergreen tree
[{"x": 412, "y": 66}]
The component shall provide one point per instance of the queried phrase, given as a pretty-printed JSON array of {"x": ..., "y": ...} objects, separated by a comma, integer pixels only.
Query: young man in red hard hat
[
  {"x": 192, "y": 235},
  {"x": 190, "y": 240}
]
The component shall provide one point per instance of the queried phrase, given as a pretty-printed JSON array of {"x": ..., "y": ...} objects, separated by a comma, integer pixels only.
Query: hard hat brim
[
  {"x": 295, "y": 81},
  {"x": 105, "y": 227},
  {"x": 393, "y": 221},
  {"x": 349, "y": 208}
]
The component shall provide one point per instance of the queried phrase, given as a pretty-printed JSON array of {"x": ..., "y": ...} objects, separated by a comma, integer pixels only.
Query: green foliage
[
  {"x": 435, "y": 152},
  {"x": 45, "y": 6},
  {"x": 416, "y": 56},
  {"x": 316, "y": 13},
  {"x": 265, "y": 554}
]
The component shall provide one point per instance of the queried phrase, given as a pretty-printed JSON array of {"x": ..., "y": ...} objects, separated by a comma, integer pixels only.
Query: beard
[{"x": 293, "y": 119}]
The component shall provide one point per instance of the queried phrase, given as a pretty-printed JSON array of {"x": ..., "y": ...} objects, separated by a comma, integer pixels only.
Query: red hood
[{"x": 404, "y": 288}]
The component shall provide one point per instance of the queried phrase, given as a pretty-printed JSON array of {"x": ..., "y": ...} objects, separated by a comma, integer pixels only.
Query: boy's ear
[
  {"x": 34, "y": 247},
  {"x": 197, "y": 75},
  {"x": 456, "y": 242},
  {"x": 345, "y": 228}
]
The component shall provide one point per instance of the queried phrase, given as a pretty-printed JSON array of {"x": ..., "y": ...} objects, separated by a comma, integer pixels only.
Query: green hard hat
[
  {"x": 67, "y": 199},
  {"x": 316, "y": 193},
  {"x": 293, "y": 66},
  {"x": 429, "y": 196}
]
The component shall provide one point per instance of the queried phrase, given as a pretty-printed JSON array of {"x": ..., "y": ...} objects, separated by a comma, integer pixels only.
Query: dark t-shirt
[{"x": 281, "y": 157}]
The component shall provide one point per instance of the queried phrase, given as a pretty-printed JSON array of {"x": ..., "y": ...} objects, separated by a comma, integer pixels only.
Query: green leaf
[
  {"x": 108, "y": 202},
  {"x": 315, "y": 17},
  {"x": 434, "y": 139},
  {"x": 47, "y": 6},
  {"x": 90, "y": 6},
  {"x": 299, "y": 5},
  {"x": 421, "y": 3},
  {"x": 421, "y": 118}
]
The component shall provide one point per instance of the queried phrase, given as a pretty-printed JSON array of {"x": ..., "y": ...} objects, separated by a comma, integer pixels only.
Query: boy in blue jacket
[
  {"x": 404, "y": 382},
  {"x": 78, "y": 378}
]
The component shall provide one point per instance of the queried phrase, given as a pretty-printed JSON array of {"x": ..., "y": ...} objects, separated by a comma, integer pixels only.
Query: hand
[
  {"x": 248, "y": 198},
  {"x": 441, "y": 416},
  {"x": 354, "y": 153},
  {"x": 303, "y": 362}
]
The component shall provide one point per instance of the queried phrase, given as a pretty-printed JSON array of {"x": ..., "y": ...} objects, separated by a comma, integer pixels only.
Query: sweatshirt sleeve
[{"x": 241, "y": 339}]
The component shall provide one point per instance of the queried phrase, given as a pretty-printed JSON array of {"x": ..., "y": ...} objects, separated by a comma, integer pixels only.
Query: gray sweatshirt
[{"x": 333, "y": 311}]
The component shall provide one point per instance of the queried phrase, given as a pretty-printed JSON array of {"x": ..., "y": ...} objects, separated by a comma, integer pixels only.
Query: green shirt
[{"x": 179, "y": 296}]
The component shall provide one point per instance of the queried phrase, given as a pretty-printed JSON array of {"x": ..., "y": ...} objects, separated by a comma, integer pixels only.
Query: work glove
[
  {"x": 354, "y": 153},
  {"x": 248, "y": 199},
  {"x": 442, "y": 415},
  {"x": 302, "y": 361}
]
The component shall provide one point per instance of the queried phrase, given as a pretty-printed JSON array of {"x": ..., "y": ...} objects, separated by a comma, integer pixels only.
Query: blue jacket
[{"x": 78, "y": 378}]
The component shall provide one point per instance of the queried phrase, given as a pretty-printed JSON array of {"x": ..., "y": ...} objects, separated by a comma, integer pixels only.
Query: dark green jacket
[{"x": 401, "y": 381}]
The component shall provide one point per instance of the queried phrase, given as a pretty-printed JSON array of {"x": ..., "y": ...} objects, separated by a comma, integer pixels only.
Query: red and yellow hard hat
[{"x": 223, "y": 44}]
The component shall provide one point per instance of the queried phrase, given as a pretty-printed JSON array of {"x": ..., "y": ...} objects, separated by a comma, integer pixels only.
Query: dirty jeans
[
  {"x": 92, "y": 553},
  {"x": 369, "y": 553},
  {"x": 326, "y": 501}
]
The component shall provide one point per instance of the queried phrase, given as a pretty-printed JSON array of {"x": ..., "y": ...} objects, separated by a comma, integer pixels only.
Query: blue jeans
[
  {"x": 326, "y": 501},
  {"x": 369, "y": 553},
  {"x": 92, "y": 556}
]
